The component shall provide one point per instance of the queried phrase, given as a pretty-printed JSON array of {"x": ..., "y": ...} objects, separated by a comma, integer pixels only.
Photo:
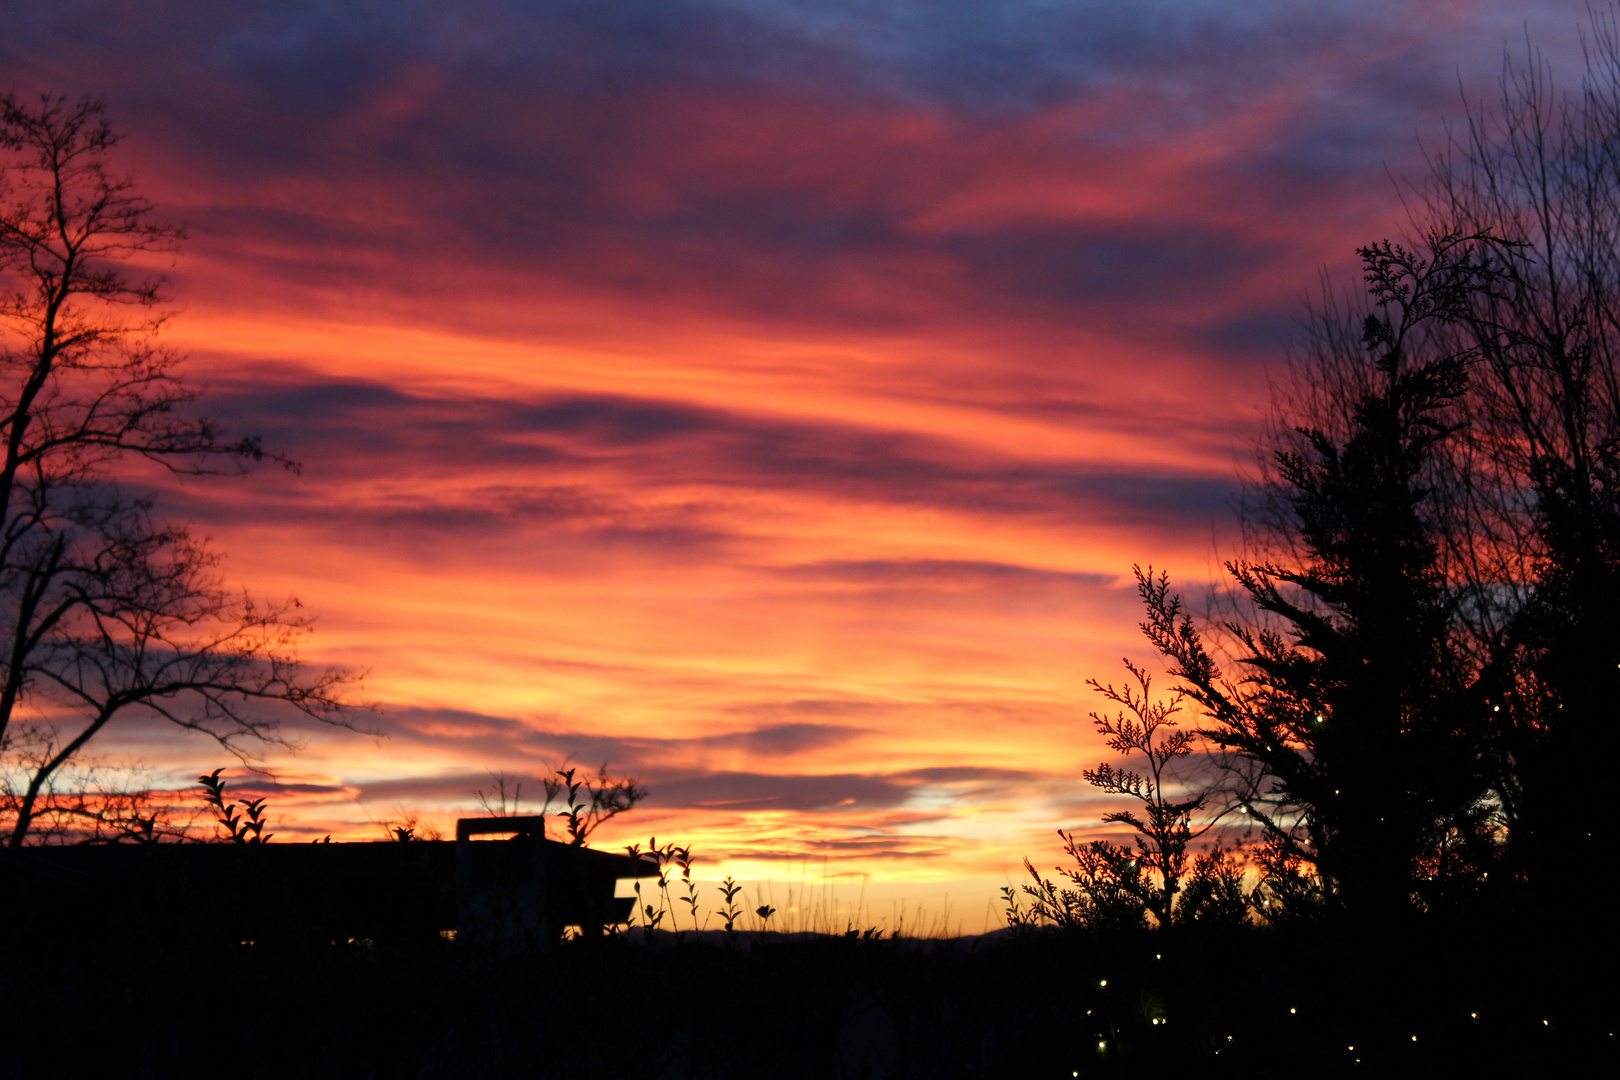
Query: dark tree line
[{"x": 1409, "y": 694}]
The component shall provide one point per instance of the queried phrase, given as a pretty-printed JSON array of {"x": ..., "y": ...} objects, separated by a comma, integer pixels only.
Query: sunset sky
[{"x": 768, "y": 398}]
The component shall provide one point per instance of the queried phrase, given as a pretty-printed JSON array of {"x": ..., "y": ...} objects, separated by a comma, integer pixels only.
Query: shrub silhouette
[{"x": 243, "y": 821}]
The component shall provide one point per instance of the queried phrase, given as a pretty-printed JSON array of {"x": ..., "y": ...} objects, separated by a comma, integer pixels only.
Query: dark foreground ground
[{"x": 117, "y": 993}]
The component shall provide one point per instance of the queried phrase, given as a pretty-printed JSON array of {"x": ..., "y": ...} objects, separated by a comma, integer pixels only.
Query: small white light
[
  {"x": 1414, "y": 1038},
  {"x": 1103, "y": 983},
  {"x": 1474, "y": 1015},
  {"x": 1155, "y": 1021},
  {"x": 1291, "y": 1012},
  {"x": 1100, "y": 1044}
]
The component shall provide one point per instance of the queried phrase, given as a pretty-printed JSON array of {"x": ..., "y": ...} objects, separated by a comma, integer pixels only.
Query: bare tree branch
[{"x": 106, "y": 614}]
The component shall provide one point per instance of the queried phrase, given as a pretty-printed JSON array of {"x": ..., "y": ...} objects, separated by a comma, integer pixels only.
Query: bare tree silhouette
[{"x": 104, "y": 612}]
